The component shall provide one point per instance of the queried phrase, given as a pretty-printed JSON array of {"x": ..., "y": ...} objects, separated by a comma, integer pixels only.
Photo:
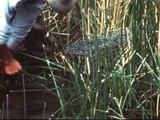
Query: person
[{"x": 16, "y": 20}]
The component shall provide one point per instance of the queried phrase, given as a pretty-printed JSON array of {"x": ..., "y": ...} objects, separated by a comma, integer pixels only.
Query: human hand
[{"x": 9, "y": 65}]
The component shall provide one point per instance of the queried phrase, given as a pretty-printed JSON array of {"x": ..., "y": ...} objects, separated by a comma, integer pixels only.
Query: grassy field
[{"x": 114, "y": 82}]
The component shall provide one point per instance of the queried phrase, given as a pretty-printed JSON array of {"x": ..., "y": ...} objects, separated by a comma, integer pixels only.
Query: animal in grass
[{"x": 16, "y": 20}]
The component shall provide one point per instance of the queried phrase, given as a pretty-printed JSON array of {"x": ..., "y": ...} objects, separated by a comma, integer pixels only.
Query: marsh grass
[{"x": 113, "y": 83}]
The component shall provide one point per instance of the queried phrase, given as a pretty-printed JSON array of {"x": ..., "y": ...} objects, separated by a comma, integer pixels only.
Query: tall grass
[{"x": 110, "y": 83}]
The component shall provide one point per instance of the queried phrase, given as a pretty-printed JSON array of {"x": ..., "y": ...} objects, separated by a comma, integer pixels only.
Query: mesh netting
[{"x": 114, "y": 39}]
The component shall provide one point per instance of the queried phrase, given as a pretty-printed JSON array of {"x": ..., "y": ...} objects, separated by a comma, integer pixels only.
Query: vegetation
[{"x": 116, "y": 83}]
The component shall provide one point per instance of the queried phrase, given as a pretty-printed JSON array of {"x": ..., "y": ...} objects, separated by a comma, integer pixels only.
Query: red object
[{"x": 8, "y": 64}]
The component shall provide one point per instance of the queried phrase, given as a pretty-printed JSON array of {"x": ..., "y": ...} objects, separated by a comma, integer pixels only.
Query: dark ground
[{"x": 27, "y": 99}]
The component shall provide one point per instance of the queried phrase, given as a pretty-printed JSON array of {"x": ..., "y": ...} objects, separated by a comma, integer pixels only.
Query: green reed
[{"x": 116, "y": 83}]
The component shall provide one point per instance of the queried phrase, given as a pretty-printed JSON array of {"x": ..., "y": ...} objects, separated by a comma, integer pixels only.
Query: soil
[{"x": 20, "y": 100}]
